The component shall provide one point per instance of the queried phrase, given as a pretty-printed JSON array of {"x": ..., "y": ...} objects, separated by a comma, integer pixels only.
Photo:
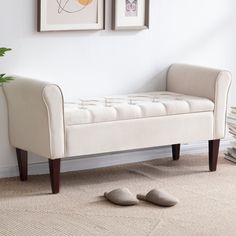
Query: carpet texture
[{"x": 207, "y": 201}]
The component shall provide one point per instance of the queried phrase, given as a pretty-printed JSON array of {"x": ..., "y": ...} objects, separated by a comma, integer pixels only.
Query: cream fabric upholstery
[
  {"x": 203, "y": 82},
  {"x": 138, "y": 133},
  {"x": 192, "y": 109},
  {"x": 133, "y": 106},
  {"x": 36, "y": 117}
]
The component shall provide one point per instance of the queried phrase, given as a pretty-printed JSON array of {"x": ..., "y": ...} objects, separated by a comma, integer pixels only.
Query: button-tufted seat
[
  {"x": 133, "y": 106},
  {"x": 192, "y": 108}
]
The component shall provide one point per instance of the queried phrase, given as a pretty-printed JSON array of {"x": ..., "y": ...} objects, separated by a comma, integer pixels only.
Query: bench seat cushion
[{"x": 133, "y": 106}]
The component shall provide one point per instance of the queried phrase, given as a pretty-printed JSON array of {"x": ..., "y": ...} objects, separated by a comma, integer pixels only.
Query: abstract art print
[
  {"x": 56, "y": 15},
  {"x": 130, "y": 14}
]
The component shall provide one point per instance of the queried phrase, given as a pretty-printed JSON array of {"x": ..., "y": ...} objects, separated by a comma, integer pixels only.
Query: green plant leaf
[
  {"x": 3, "y": 77},
  {"x": 2, "y": 80},
  {"x": 3, "y": 51},
  {"x": 6, "y": 79},
  {"x": 9, "y": 78}
]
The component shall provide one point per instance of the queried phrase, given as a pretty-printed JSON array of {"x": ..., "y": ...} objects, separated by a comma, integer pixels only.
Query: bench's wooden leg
[
  {"x": 54, "y": 167},
  {"x": 175, "y": 151},
  {"x": 22, "y": 159},
  {"x": 213, "y": 153}
]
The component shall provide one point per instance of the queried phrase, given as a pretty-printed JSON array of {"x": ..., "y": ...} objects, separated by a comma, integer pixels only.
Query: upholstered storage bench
[{"x": 192, "y": 109}]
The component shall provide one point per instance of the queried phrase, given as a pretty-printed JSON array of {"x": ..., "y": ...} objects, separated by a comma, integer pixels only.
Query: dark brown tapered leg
[
  {"x": 213, "y": 153},
  {"x": 22, "y": 158},
  {"x": 175, "y": 151},
  {"x": 54, "y": 166}
]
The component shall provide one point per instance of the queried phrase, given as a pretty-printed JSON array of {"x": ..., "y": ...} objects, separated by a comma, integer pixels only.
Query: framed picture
[
  {"x": 59, "y": 15},
  {"x": 130, "y": 14}
]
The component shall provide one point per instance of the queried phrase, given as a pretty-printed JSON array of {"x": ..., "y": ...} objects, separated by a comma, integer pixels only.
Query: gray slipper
[
  {"x": 159, "y": 197},
  {"x": 122, "y": 197}
]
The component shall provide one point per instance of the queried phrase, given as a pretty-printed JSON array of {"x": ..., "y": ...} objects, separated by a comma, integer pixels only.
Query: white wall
[{"x": 106, "y": 62}]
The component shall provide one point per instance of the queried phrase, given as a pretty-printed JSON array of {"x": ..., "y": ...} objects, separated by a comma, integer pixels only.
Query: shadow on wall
[{"x": 156, "y": 83}]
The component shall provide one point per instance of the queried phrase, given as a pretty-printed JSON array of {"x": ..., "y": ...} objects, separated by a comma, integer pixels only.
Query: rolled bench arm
[
  {"x": 203, "y": 82},
  {"x": 36, "y": 117}
]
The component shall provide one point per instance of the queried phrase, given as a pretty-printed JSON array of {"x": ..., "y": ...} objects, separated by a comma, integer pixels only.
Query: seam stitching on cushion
[
  {"x": 216, "y": 104},
  {"x": 49, "y": 120},
  {"x": 63, "y": 117},
  {"x": 207, "y": 111},
  {"x": 225, "y": 103},
  {"x": 140, "y": 109},
  {"x": 167, "y": 76},
  {"x": 91, "y": 116},
  {"x": 226, "y": 100},
  {"x": 189, "y": 105},
  {"x": 165, "y": 106}
]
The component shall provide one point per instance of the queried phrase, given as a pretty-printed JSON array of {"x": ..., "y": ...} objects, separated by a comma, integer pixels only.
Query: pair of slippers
[{"x": 123, "y": 197}]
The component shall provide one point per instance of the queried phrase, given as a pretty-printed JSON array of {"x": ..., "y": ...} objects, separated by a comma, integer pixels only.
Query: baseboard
[{"x": 98, "y": 161}]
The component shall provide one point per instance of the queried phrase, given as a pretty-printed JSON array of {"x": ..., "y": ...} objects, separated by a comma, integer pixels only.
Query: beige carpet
[{"x": 207, "y": 207}]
